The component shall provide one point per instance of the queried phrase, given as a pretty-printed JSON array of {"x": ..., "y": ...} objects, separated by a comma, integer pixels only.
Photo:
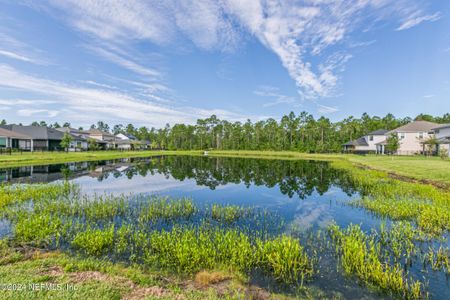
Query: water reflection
[{"x": 298, "y": 178}]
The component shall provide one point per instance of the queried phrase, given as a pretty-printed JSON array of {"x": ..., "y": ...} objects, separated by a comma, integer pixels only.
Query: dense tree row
[{"x": 300, "y": 132}]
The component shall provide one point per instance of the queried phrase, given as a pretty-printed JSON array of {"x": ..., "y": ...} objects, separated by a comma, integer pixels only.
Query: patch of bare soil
[{"x": 142, "y": 293}]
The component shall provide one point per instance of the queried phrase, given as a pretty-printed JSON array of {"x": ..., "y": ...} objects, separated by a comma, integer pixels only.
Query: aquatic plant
[
  {"x": 229, "y": 213},
  {"x": 166, "y": 208},
  {"x": 95, "y": 242},
  {"x": 286, "y": 259},
  {"x": 426, "y": 205},
  {"x": 37, "y": 228},
  {"x": 361, "y": 255}
]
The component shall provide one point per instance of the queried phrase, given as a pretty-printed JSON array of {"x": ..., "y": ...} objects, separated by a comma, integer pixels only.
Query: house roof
[
  {"x": 74, "y": 133},
  {"x": 416, "y": 126},
  {"x": 442, "y": 126},
  {"x": 378, "y": 132},
  {"x": 12, "y": 134},
  {"x": 443, "y": 140},
  {"x": 98, "y": 132},
  {"x": 358, "y": 142},
  {"x": 36, "y": 132}
]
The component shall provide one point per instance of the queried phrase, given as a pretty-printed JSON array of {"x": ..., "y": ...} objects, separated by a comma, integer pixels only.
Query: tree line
[{"x": 301, "y": 132}]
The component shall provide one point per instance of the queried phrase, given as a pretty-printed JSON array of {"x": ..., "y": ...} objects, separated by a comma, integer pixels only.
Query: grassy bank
[
  {"x": 424, "y": 169},
  {"x": 57, "y": 275}
]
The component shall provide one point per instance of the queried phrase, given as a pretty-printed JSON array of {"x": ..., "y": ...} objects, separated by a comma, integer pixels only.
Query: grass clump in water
[
  {"x": 168, "y": 234},
  {"x": 362, "y": 255},
  {"x": 166, "y": 208},
  {"x": 229, "y": 213},
  {"x": 95, "y": 242}
]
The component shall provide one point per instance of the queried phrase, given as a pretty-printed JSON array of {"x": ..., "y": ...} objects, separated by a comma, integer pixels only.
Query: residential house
[
  {"x": 127, "y": 142},
  {"x": 42, "y": 138},
  {"x": 442, "y": 135},
  {"x": 105, "y": 139},
  {"x": 368, "y": 143},
  {"x": 79, "y": 139},
  {"x": 123, "y": 136},
  {"x": 413, "y": 136},
  {"x": 14, "y": 140}
]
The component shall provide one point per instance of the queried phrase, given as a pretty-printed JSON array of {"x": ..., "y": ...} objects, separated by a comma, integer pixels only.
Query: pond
[{"x": 307, "y": 195}]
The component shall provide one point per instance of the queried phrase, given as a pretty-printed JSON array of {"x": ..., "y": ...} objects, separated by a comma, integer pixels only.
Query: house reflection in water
[{"x": 51, "y": 173}]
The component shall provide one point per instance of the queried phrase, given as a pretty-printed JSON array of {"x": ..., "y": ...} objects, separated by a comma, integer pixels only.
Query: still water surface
[{"x": 309, "y": 195}]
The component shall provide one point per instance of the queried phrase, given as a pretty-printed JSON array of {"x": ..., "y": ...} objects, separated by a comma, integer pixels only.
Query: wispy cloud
[
  {"x": 306, "y": 36},
  {"x": 429, "y": 96},
  {"x": 326, "y": 109},
  {"x": 416, "y": 18},
  {"x": 15, "y": 56},
  {"x": 15, "y": 49},
  {"x": 273, "y": 93},
  {"x": 298, "y": 32},
  {"x": 124, "y": 62},
  {"x": 86, "y": 105},
  {"x": 43, "y": 112}
]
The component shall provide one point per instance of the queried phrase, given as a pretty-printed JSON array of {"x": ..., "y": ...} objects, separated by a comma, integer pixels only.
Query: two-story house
[
  {"x": 412, "y": 136},
  {"x": 367, "y": 143},
  {"x": 442, "y": 135}
]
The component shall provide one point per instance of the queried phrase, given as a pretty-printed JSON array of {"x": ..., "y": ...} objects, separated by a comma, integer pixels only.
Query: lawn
[{"x": 418, "y": 167}]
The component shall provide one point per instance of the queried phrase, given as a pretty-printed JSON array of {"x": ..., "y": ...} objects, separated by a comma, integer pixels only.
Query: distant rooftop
[
  {"x": 36, "y": 132},
  {"x": 358, "y": 142},
  {"x": 416, "y": 126},
  {"x": 378, "y": 132},
  {"x": 441, "y": 126},
  {"x": 11, "y": 134}
]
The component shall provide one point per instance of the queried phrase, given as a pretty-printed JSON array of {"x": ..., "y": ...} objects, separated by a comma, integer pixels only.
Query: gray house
[
  {"x": 42, "y": 138},
  {"x": 14, "y": 140}
]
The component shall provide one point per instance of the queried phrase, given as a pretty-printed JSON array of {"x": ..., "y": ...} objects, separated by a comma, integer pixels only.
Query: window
[
  {"x": 2, "y": 142},
  {"x": 370, "y": 137},
  {"x": 401, "y": 135},
  {"x": 420, "y": 135}
]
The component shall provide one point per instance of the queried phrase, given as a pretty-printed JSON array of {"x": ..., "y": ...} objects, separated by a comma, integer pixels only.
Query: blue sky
[{"x": 156, "y": 62}]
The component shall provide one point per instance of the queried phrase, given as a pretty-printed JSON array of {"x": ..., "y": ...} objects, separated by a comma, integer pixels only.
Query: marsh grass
[
  {"x": 229, "y": 213},
  {"x": 158, "y": 232},
  {"x": 426, "y": 205},
  {"x": 363, "y": 256}
]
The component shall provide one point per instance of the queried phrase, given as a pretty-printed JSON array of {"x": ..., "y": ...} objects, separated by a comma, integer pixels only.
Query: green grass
[
  {"x": 157, "y": 232},
  {"x": 361, "y": 255}
]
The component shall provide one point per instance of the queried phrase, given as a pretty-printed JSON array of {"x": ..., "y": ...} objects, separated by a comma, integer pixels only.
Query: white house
[
  {"x": 79, "y": 139},
  {"x": 122, "y": 136},
  {"x": 412, "y": 136},
  {"x": 442, "y": 135},
  {"x": 368, "y": 143}
]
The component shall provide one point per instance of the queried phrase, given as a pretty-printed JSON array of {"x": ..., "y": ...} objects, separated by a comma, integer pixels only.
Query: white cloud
[
  {"x": 89, "y": 104},
  {"x": 429, "y": 96},
  {"x": 273, "y": 93},
  {"x": 15, "y": 56},
  {"x": 15, "y": 49},
  {"x": 30, "y": 112},
  {"x": 303, "y": 34},
  {"x": 326, "y": 109},
  {"x": 416, "y": 18},
  {"x": 124, "y": 62}
]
